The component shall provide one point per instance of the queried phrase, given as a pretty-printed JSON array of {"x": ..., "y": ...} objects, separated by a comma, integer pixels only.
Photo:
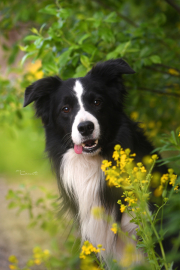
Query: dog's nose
[{"x": 86, "y": 128}]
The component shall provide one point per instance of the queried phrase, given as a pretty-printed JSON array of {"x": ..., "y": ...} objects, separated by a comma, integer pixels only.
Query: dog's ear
[
  {"x": 111, "y": 69},
  {"x": 40, "y": 92}
]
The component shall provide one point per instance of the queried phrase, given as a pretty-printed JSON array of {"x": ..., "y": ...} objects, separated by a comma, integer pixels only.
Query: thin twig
[
  {"x": 175, "y": 6},
  {"x": 161, "y": 71},
  {"x": 118, "y": 13},
  {"x": 168, "y": 67},
  {"x": 159, "y": 92}
]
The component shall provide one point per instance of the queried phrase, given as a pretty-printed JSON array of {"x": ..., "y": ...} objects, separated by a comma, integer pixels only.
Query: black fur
[{"x": 104, "y": 81}]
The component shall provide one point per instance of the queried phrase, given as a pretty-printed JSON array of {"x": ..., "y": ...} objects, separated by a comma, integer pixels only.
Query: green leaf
[
  {"x": 50, "y": 68},
  {"x": 64, "y": 13},
  {"x": 112, "y": 55},
  {"x": 12, "y": 205},
  {"x": 80, "y": 71},
  {"x": 121, "y": 49},
  {"x": 112, "y": 17},
  {"x": 83, "y": 38},
  {"x": 106, "y": 34},
  {"x": 26, "y": 56},
  {"x": 10, "y": 195},
  {"x": 155, "y": 59},
  {"x": 145, "y": 51},
  {"x": 34, "y": 30},
  {"x": 64, "y": 58},
  {"x": 173, "y": 137},
  {"x": 50, "y": 9},
  {"x": 31, "y": 37},
  {"x": 88, "y": 48},
  {"x": 85, "y": 61},
  {"x": 147, "y": 61},
  {"x": 23, "y": 48}
]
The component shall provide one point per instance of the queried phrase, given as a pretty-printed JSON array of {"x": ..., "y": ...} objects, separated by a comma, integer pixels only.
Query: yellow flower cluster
[
  {"x": 170, "y": 178},
  {"x": 105, "y": 164},
  {"x": 130, "y": 198},
  {"x": 88, "y": 248},
  {"x": 131, "y": 201},
  {"x": 116, "y": 175},
  {"x": 39, "y": 256},
  {"x": 133, "y": 179}
]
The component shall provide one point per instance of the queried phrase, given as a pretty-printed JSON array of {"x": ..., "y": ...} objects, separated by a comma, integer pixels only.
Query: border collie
[{"x": 84, "y": 119}]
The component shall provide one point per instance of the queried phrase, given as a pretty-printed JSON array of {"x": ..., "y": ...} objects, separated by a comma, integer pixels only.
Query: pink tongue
[{"x": 78, "y": 149}]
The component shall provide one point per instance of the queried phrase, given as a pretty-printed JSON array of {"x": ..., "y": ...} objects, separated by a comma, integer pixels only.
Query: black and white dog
[{"x": 83, "y": 120}]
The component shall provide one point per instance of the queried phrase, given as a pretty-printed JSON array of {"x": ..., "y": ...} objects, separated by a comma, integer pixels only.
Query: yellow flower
[
  {"x": 158, "y": 191},
  {"x": 37, "y": 255},
  {"x": 34, "y": 69},
  {"x": 13, "y": 259},
  {"x": 114, "y": 228},
  {"x": 115, "y": 155},
  {"x": 37, "y": 250},
  {"x": 176, "y": 188},
  {"x": 155, "y": 157},
  {"x": 164, "y": 178},
  {"x": 174, "y": 72},
  {"x": 117, "y": 147},
  {"x": 46, "y": 252},
  {"x": 143, "y": 169},
  {"x": 173, "y": 178},
  {"x": 151, "y": 124},
  {"x": 135, "y": 169},
  {"x": 134, "y": 115},
  {"x": 170, "y": 171},
  {"x": 105, "y": 165},
  {"x": 142, "y": 125},
  {"x": 12, "y": 267},
  {"x": 179, "y": 134},
  {"x": 37, "y": 261},
  {"x": 97, "y": 212},
  {"x": 127, "y": 151},
  {"x": 123, "y": 208}
]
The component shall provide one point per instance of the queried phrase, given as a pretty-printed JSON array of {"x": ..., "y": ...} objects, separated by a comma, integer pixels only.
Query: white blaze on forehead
[
  {"x": 78, "y": 88},
  {"x": 82, "y": 116}
]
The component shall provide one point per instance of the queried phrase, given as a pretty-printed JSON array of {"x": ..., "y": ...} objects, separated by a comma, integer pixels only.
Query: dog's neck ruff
[{"x": 83, "y": 178}]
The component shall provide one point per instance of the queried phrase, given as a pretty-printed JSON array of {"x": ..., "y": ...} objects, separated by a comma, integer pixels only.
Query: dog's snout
[{"x": 86, "y": 128}]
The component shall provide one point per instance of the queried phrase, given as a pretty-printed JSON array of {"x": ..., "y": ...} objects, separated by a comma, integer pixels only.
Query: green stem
[
  {"x": 160, "y": 243},
  {"x": 148, "y": 177},
  {"x": 158, "y": 212},
  {"x": 141, "y": 226}
]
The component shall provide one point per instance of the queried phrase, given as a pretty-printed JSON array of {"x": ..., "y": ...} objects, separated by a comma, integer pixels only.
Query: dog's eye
[
  {"x": 96, "y": 102},
  {"x": 66, "y": 109}
]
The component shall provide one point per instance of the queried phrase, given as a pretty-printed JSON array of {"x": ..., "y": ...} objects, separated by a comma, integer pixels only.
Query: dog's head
[{"x": 86, "y": 110}]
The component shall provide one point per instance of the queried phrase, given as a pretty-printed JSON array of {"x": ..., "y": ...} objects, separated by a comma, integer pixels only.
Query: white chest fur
[{"x": 82, "y": 176}]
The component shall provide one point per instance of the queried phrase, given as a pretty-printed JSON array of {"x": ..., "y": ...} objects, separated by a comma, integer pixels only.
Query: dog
[{"x": 84, "y": 119}]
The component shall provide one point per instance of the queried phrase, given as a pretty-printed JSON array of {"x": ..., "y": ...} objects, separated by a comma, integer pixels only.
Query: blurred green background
[{"x": 40, "y": 38}]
